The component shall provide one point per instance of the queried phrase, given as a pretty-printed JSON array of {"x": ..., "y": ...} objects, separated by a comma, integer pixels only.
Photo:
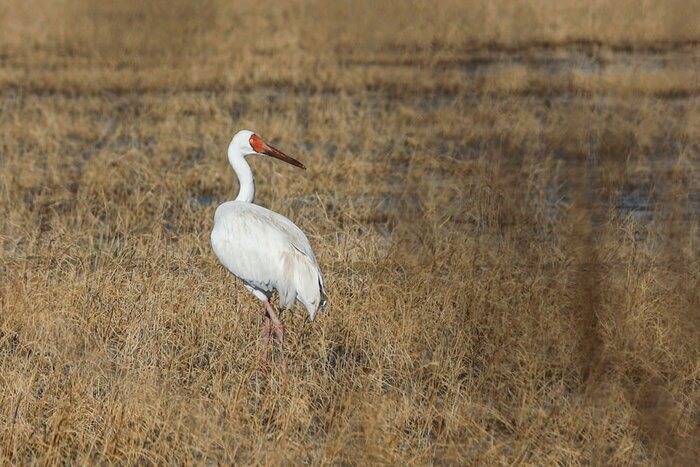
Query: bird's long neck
[{"x": 246, "y": 193}]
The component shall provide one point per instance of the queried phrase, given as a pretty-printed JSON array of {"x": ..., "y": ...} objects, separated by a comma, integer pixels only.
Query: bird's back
[{"x": 267, "y": 251}]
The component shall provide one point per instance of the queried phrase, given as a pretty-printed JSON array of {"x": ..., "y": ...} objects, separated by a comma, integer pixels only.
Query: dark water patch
[
  {"x": 204, "y": 200},
  {"x": 694, "y": 199},
  {"x": 555, "y": 201},
  {"x": 552, "y": 61},
  {"x": 635, "y": 204}
]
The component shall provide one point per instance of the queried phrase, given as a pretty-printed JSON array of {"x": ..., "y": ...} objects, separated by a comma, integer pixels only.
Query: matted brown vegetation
[{"x": 504, "y": 201}]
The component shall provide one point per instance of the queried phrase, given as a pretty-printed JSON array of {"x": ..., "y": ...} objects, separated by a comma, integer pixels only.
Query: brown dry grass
[{"x": 504, "y": 201}]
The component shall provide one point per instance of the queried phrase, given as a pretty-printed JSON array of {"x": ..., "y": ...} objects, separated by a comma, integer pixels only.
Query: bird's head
[{"x": 245, "y": 142}]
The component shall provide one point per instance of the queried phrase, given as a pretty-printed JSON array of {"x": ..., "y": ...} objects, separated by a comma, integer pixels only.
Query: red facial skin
[{"x": 257, "y": 144}]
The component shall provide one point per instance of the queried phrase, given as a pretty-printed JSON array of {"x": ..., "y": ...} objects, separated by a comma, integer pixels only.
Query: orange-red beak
[{"x": 261, "y": 147}]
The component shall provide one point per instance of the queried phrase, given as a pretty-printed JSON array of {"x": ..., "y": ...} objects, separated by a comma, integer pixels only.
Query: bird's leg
[
  {"x": 265, "y": 338},
  {"x": 279, "y": 332}
]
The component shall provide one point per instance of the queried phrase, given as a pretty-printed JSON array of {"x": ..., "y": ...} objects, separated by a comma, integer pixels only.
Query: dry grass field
[{"x": 503, "y": 196}]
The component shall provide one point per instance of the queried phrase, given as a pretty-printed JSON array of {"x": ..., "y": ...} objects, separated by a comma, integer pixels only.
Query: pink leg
[
  {"x": 279, "y": 332},
  {"x": 265, "y": 338}
]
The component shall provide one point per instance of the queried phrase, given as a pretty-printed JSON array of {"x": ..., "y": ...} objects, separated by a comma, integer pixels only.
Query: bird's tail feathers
[
  {"x": 308, "y": 283},
  {"x": 324, "y": 299}
]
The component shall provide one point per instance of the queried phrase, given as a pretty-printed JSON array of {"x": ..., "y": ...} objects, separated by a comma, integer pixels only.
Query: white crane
[{"x": 264, "y": 249}]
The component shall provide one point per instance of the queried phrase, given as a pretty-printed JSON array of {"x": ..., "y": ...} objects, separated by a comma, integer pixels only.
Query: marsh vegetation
[{"x": 504, "y": 201}]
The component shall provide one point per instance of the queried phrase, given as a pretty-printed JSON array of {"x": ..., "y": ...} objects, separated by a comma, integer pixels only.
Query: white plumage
[
  {"x": 268, "y": 252},
  {"x": 265, "y": 249}
]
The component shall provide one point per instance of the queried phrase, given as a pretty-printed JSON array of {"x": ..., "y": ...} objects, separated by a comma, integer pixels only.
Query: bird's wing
[
  {"x": 311, "y": 286},
  {"x": 258, "y": 245},
  {"x": 248, "y": 245}
]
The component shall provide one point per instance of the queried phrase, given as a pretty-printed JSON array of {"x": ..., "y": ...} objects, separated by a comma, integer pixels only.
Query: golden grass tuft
[{"x": 503, "y": 199}]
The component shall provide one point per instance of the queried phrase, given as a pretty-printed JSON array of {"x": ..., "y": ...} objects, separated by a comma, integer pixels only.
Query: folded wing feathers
[{"x": 301, "y": 277}]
